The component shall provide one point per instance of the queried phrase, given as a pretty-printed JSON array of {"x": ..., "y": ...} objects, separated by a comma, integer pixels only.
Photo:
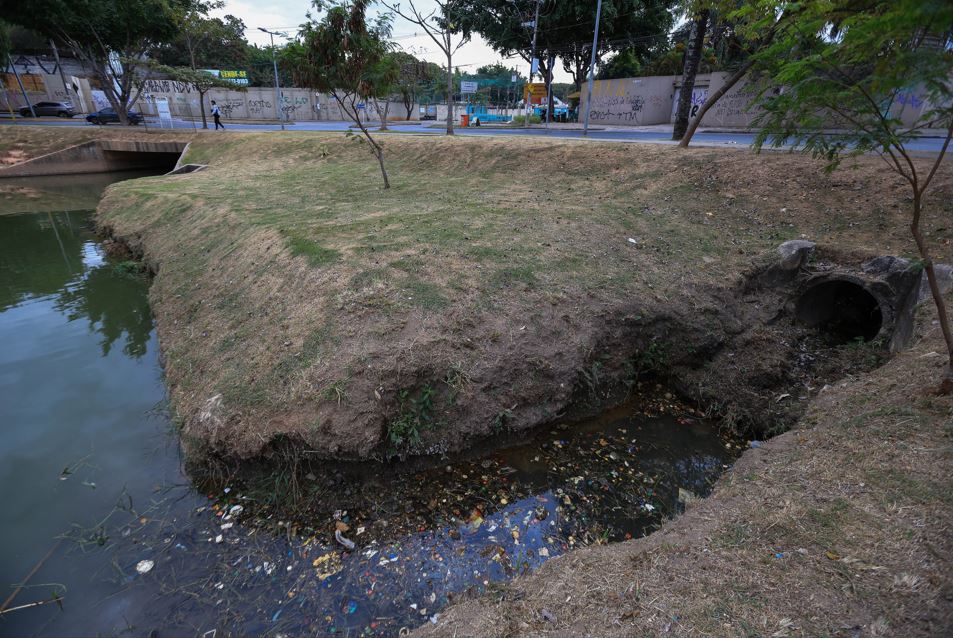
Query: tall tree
[
  {"x": 412, "y": 78},
  {"x": 867, "y": 76},
  {"x": 566, "y": 26},
  {"x": 202, "y": 42},
  {"x": 693, "y": 55},
  {"x": 443, "y": 25},
  {"x": 744, "y": 33},
  {"x": 108, "y": 36},
  {"x": 344, "y": 55}
]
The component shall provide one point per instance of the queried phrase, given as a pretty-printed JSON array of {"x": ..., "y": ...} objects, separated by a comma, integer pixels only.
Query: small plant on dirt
[
  {"x": 129, "y": 268},
  {"x": 415, "y": 416},
  {"x": 501, "y": 419},
  {"x": 655, "y": 358},
  {"x": 456, "y": 379},
  {"x": 881, "y": 73},
  {"x": 336, "y": 392},
  {"x": 591, "y": 380}
]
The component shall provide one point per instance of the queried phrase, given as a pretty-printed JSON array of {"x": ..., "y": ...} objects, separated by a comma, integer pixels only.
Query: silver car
[{"x": 57, "y": 109}]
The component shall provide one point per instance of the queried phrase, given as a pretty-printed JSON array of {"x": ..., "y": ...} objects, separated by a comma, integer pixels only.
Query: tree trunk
[
  {"x": 381, "y": 114},
  {"x": 693, "y": 56},
  {"x": 549, "y": 88},
  {"x": 449, "y": 94},
  {"x": 710, "y": 102},
  {"x": 380, "y": 160},
  {"x": 946, "y": 382}
]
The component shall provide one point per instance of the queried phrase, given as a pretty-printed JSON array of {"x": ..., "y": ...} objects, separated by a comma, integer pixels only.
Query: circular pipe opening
[{"x": 843, "y": 311}]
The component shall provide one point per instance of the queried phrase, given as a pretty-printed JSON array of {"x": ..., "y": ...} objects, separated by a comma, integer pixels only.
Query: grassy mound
[{"x": 499, "y": 283}]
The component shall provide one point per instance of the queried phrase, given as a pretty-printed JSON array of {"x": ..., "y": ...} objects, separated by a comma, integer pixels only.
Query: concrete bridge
[{"x": 101, "y": 156}]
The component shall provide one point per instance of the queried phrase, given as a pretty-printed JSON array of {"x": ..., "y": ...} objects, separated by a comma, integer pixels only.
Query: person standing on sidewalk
[{"x": 217, "y": 116}]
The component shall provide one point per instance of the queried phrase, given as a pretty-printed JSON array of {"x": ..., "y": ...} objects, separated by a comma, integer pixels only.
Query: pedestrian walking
[{"x": 217, "y": 116}]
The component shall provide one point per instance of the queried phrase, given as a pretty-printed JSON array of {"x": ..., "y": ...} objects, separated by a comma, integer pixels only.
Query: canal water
[{"x": 102, "y": 533}]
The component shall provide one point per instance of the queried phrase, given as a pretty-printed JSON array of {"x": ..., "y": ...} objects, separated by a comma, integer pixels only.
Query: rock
[
  {"x": 896, "y": 271},
  {"x": 795, "y": 253},
  {"x": 944, "y": 279},
  {"x": 885, "y": 265}
]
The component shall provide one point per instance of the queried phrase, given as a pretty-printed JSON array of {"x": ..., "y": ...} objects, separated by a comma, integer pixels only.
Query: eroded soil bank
[
  {"x": 299, "y": 304},
  {"x": 841, "y": 527}
]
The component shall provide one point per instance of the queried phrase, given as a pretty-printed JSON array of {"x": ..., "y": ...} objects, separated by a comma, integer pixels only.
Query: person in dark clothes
[{"x": 217, "y": 115}]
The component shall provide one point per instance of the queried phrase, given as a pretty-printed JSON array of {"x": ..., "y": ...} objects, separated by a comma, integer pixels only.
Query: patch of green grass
[
  {"x": 731, "y": 536},
  {"x": 508, "y": 276},
  {"x": 367, "y": 278},
  {"x": 316, "y": 254},
  {"x": 409, "y": 264},
  {"x": 424, "y": 294}
]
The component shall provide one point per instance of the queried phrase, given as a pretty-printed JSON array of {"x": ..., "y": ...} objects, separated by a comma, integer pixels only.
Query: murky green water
[{"x": 92, "y": 486}]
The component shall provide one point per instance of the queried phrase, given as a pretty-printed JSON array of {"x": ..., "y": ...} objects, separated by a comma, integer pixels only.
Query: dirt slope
[
  {"x": 499, "y": 284},
  {"x": 840, "y": 527}
]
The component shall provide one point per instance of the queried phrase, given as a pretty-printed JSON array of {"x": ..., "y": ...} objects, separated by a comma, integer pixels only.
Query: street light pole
[
  {"x": 592, "y": 68},
  {"x": 532, "y": 58},
  {"x": 274, "y": 62}
]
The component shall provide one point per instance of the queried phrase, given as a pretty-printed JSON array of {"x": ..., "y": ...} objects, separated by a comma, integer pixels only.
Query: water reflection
[{"x": 83, "y": 285}]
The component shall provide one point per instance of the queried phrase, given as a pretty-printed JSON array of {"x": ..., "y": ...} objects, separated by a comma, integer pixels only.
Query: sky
[{"x": 286, "y": 15}]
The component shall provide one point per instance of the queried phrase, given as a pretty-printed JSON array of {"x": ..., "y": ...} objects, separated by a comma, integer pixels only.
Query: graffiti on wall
[
  {"x": 257, "y": 107},
  {"x": 624, "y": 108},
  {"x": 734, "y": 104},
  {"x": 291, "y": 104}
]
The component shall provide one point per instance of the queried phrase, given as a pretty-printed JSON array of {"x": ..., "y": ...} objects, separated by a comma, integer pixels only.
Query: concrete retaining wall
[{"x": 100, "y": 157}]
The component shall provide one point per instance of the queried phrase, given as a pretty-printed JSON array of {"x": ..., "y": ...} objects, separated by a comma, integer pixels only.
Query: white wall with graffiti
[
  {"x": 654, "y": 100},
  {"x": 252, "y": 104}
]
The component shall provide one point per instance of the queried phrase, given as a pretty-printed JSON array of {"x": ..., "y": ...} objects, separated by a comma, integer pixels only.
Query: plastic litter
[{"x": 145, "y": 566}]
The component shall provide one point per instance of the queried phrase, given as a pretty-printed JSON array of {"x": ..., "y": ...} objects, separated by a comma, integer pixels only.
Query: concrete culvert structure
[{"x": 842, "y": 310}]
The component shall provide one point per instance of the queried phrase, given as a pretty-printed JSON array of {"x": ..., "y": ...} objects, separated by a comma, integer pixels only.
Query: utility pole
[
  {"x": 592, "y": 68},
  {"x": 532, "y": 60},
  {"x": 59, "y": 65},
  {"x": 20, "y": 82},
  {"x": 274, "y": 62}
]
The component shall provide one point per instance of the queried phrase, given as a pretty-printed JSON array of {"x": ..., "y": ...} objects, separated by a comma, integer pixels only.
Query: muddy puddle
[{"x": 104, "y": 534}]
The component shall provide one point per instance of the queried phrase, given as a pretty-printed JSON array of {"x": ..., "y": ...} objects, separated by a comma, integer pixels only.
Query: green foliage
[
  {"x": 856, "y": 67},
  {"x": 566, "y": 27},
  {"x": 316, "y": 254},
  {"x": 520, "y": 120},
  {"x": 344, "y": 55},
  {"x": 414, "y": 416},
  {"x": 95, "y": 30},
  {"x": 4, "y": 41}
]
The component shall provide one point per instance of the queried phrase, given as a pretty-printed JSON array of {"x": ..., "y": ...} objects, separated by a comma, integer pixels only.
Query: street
[{"x": 645, "y": 135}]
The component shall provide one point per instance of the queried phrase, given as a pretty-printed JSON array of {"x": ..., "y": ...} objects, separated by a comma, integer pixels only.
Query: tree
[
  {"x": 103, "y": 33},
  {"x": 861, "y": 67},
  {"x": 693, "y": 56},
  {"x": 4, "y": 42},
  {"x": 623, "y": 64},
  {"x": 441, "y": 25},
  {"x": 566, "y": 27},
  {"x": 203, "y": 81},
  {"x": 413, "y": 77},
  {"x": 202, "y": 42},
  {"x": 341, "y": 54},
  {"x": 747, "y": 31}
]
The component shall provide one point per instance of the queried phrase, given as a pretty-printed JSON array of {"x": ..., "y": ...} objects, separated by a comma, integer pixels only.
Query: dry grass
[
  {"x": 284, "y": 271},
  {"x": 841, "y": 527}
]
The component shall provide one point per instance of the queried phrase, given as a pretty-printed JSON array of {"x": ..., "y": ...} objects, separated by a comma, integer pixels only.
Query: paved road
[{"x": 656, "y": 136}]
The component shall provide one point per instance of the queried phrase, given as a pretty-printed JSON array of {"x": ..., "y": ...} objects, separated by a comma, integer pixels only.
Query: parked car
[
  {"x": 60, "y": 109},
  {"x": 107, "y": 115}
]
